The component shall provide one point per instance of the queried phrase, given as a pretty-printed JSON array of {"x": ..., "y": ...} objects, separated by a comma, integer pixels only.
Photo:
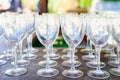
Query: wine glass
[
  {"x": 67, "y": 56},
  {"x": 43, "y": 63},
  {"x": 73, "y": 32},
  {"x": 7, "y": 52},
  {"x": 52, "y": 54},
  {"x": 93, "y": 62},
  {"x": 115, "y": 62},
  {"x": 99, "y": 35},
  {"x": 30, "y": 48},
  {"x": 30, "y": 30},
  {"x": 88, "y": 48},
  {"x": 47, "y": 29},
  {"x": 14, "y": 31},
  {"x": 116, "y": 35},
  {"x": 21, "y": 61},
  {"x": 109, "y": 48}
]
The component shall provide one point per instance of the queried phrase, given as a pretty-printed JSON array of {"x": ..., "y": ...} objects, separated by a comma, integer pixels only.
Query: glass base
[
  {"x": 88, "y": 57},
  {"x": 47, "y": 72},
  {"x": 113, "y": 63},
  {"x": 51, "y": 63},
  {"x": 72, "y": 73},
  {"x": 33, "y": 50},
  {"x": 16, "y": 71},
  {"x": 44, "y": 50},
  {"x": 86, "y": 50},
  {"x": 110, "y": 55},
  {"x": 22, "y": 62},
  {"x": 67, "y": 57},
  {"x": 2, "y": 62},
  {"x": 115, "y": 71},
  {"x": 29, "y": 56},
  {"x": 53, "y": 56},
  {"x": 67, "y": 50},
  {"x": 93, "y": 64},
  {"x": 6, "y": 56},
  {"x": 69, "y": 63},
  {"x": 98, "y": 74}
]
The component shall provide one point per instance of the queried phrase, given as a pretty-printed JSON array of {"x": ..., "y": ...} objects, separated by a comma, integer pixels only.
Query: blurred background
[{"x": 58, "y": 7}]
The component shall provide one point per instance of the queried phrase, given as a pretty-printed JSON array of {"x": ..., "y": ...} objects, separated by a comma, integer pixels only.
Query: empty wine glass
[
  {"x": 7, "y": 52},
  {"x": 52, "y": 54},
  {"x": 68, "y": 51},
  {"x": 116, "y": 35},
  {"x": 47, "y": 29},
  {"x": 30, "y": 30},
  {"x": 93, "y": 63},
  {"x": 68, "y": 57},
  {"x": 21, "y": 61},
  {"x": 73, "y": 32},
  {"x": 114, "y": 62},
  {"x": 14, "y": 32},
  {"x": 88, "y": 48},
  {"x": 99, "y": 35},
  {"x": 43, "y": 63}
]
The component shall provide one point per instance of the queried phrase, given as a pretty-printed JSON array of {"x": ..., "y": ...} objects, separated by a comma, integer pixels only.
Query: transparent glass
[
  {"x": 88, "y": 49},
  {"x": 72, "y": 32},
  {"x": 21, "y": 61},
  {"x": 52, "y": 62},
  {"x": 67, "y": 57},
  {"x": 53, "y": 54},
  {"x": 116, "y": 35},
  {"x": 92, "y": 63},
  {"x": 99, "y": 34},
  {"x": 47, "y": 29},
  {"x": 30, "y": 30},
  {"x": 14, "y": 32}
]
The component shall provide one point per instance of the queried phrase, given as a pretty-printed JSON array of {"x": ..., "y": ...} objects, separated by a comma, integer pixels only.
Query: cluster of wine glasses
[
  {"x": 15, "y": 28},
  {"x": 102, "y": 31}
]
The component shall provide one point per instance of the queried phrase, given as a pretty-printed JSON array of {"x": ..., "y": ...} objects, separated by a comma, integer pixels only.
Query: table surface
[{"x": 33, "y": 67}]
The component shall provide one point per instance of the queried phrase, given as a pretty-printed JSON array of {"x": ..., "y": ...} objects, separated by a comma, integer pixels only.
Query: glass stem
[
  {"x": 112, "y": 52},
  {"x": 95, "y": 59},
  {"x": 6, "y": 50},
  {"x": 21, "y": 50},
  {"x": 117, "y": 58},
  {"x": 118, "y": 55},
  {"x": 47, "y": 58},
  {"x": 98, "y": 49},
  {"x": 29, "y": 40},
  {"x": 87, "y": 44},
  {"x": 69, "y": 52},
  {"x": 15, "y": 54},
  {"x": 91, "y": 53},
  {"x": 72, "y": 59}
]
